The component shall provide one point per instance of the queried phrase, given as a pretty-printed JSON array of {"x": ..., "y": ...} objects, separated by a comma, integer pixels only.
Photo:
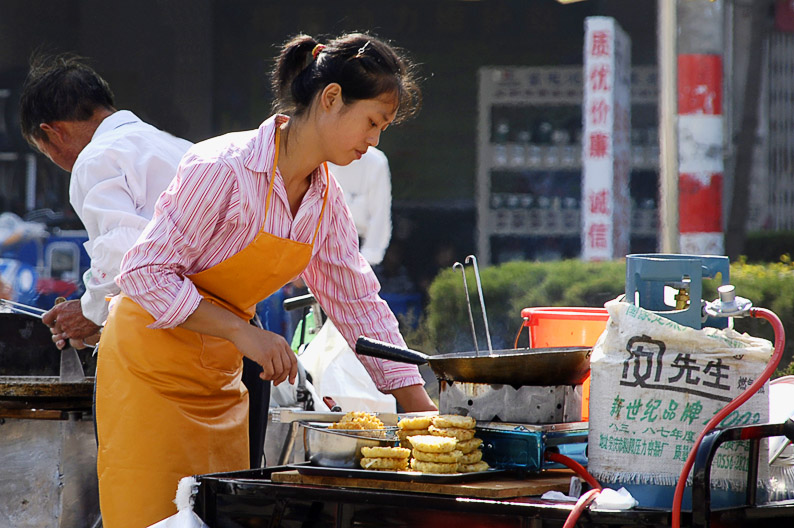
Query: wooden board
[{"x": 498, "y": 488}]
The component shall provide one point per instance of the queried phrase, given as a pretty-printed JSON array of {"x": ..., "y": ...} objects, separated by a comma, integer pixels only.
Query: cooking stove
[
  {"x": 518, "y": 424},
  {"x": 506, "y": 403}
]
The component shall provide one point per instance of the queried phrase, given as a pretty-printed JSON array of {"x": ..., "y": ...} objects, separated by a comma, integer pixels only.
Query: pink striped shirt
[{"x": 214, "y": 208}]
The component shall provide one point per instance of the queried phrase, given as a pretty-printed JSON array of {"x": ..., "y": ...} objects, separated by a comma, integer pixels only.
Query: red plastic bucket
[{"x": 566, "y": 326}]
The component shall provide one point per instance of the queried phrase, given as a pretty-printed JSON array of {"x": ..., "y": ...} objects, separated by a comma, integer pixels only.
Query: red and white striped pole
[{"x": 700, "y": 128}]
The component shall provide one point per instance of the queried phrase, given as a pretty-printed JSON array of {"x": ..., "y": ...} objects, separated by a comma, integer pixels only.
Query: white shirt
[
  {"x": 367, "y": 186},
  {"x": 115, "y": 183}
]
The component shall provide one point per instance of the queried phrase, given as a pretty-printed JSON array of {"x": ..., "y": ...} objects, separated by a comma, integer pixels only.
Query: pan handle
[{"x": 378, "y": 349}]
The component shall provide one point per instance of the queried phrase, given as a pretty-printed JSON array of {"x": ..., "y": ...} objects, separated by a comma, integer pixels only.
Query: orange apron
[{"x": 170, "y": 402}]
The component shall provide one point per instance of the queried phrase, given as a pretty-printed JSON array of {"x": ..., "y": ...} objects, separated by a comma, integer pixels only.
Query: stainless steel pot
[{"x": 342, "y": 447}]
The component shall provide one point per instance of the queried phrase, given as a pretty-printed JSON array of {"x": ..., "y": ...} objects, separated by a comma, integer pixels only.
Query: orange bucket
[{"x": 566, "y": 326}]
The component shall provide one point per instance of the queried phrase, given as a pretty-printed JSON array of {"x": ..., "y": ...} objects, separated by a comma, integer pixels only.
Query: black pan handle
[
  {"x": 301, "y": 301},
  {"x": 378, "y": 349}
]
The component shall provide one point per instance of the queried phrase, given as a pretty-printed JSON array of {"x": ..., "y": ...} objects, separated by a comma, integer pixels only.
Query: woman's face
[{"x": 357, "y": 126}]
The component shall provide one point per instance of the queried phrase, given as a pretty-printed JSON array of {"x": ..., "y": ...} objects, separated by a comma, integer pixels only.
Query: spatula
[{"x": 71, "y": 366}]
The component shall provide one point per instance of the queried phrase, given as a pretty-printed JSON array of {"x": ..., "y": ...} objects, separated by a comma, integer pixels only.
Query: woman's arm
[
  {"x": 186, "y": 235},
  {"x": 346, "y": 288},
  {"x": 269, "y": 350},
  {"x": 414, "y": 398}
]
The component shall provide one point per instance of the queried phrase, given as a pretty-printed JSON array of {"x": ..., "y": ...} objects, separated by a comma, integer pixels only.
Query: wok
[{"x": 529, "y": 366}]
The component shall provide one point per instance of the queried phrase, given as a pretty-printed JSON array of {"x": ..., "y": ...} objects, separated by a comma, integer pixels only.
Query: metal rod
[
  {"x": 667, "y": 33},
  {"x": 24, "y": 312},
  {"x": 30, "y": 310},
  {"x": 473, "y": 260},
  {"x": 468, "y": 306},
  {"x": 289, "y": 444}
]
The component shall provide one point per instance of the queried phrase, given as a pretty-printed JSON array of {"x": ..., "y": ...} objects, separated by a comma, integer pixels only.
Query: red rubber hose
[
  {"x": 575, "y": 466},
  {"x": 583, "y": 502},
  {"x": 780, "y": 341}
]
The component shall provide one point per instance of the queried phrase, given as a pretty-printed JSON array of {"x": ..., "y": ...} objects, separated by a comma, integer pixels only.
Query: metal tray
[{"x": 401, "y": 476}]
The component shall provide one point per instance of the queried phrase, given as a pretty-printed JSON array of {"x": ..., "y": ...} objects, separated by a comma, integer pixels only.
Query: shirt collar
[
  {"x": 115, "y": 120},
  {"x": 261, "y": 157}
]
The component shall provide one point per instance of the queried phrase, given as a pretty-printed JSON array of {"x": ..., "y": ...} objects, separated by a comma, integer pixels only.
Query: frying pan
[{"x": 530, "y": 366}]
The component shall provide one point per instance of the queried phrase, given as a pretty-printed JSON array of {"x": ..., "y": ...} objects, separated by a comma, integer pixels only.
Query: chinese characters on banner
[{"x": 606, "y": 207}]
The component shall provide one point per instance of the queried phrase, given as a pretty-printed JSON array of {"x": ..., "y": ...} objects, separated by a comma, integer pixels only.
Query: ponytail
[{"x": 363, "y": 65}]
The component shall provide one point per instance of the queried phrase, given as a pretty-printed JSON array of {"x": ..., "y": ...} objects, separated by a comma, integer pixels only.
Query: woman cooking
[{"x": 246, "y": 213}]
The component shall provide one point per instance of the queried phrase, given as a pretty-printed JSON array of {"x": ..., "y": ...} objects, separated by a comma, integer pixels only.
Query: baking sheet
[{"x": 403, "y": 476}]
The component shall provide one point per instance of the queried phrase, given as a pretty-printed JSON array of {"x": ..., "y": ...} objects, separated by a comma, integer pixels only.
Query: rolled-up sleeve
[
  {"x": 347, "y": 289},
  {"x": 106, "y": 198},
  {"x": 154, "y": 272},
  {"x": 107, "y": 251}
]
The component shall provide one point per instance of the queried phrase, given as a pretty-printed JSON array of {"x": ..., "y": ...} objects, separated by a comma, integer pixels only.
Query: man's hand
[
  {"x": 66, "y": 322},
  {"x": 90, "y": 341}
]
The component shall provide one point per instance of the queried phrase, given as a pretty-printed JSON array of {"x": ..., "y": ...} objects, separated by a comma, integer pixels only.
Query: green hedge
[{"x": 509, "y": 287}]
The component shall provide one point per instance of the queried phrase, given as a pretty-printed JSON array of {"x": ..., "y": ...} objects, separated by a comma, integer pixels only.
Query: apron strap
[
  {"x": 273, "y": 178},
  {"x": 325, "y": 200}
]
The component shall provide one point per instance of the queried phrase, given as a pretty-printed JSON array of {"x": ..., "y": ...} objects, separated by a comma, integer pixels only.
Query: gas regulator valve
[{"x": 728, "y": 304}]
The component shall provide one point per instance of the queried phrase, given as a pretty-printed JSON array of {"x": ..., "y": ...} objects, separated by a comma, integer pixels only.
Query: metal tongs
[
  {"x": 32, "y": 311},
  {"x": 473, "y": 260},
  {"x": 25, "y": 309}
]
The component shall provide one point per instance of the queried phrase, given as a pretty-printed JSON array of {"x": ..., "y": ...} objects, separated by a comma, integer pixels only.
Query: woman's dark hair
[
  {"x": 60, "y": 88},
  {"x": 363, "y": 65}
]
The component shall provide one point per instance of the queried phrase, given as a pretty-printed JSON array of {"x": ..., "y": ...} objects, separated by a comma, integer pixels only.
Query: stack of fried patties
[
  {"x": 385, "y": 458},
  {"x": 357, "y": 420},
  {"x": 442, "y": 444}
]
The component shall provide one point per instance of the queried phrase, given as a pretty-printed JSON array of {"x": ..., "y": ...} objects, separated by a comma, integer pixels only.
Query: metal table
[
  {"x": 252, "y": 499},
  {"x": 47, "y": 453}
]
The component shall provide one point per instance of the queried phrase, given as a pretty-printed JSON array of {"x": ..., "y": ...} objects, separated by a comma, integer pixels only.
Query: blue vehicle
[{"x": 39, "y": 262}]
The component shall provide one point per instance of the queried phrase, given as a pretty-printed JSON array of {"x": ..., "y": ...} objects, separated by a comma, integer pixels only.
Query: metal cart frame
[{"x": 250, "y": 498}]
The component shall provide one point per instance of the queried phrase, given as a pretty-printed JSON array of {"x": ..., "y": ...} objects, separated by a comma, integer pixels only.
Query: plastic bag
[
  {"x": 299, "y": 394},
  {"x": 185, "y": 517},
  {"x": 337, "y": 373},
  {"x": 14, "y": 230}
]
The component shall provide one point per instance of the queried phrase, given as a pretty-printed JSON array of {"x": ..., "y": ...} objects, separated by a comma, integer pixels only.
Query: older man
[
  {"x": 119, "y": 167},
  {"x": 119, "y": 164}
]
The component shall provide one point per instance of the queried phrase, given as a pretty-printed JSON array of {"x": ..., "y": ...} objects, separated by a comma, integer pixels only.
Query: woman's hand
[{"x": 269, "y": 350}]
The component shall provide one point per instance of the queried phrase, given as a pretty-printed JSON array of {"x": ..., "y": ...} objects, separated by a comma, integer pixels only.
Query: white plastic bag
[
  {"x": 286, "y": 394},
  {"x": 185, "y": 517},
  {"x": 610, "y": 499},
  {"x": 13, "y": 230},
  {"x": 337, "y": 373}
]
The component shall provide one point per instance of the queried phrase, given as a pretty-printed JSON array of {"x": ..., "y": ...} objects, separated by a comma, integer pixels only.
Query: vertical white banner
[{"x": 606, "y": 115}]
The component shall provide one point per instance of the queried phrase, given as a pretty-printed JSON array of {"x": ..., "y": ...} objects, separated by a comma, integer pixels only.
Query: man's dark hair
[{"x": 60, "y": 88}]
